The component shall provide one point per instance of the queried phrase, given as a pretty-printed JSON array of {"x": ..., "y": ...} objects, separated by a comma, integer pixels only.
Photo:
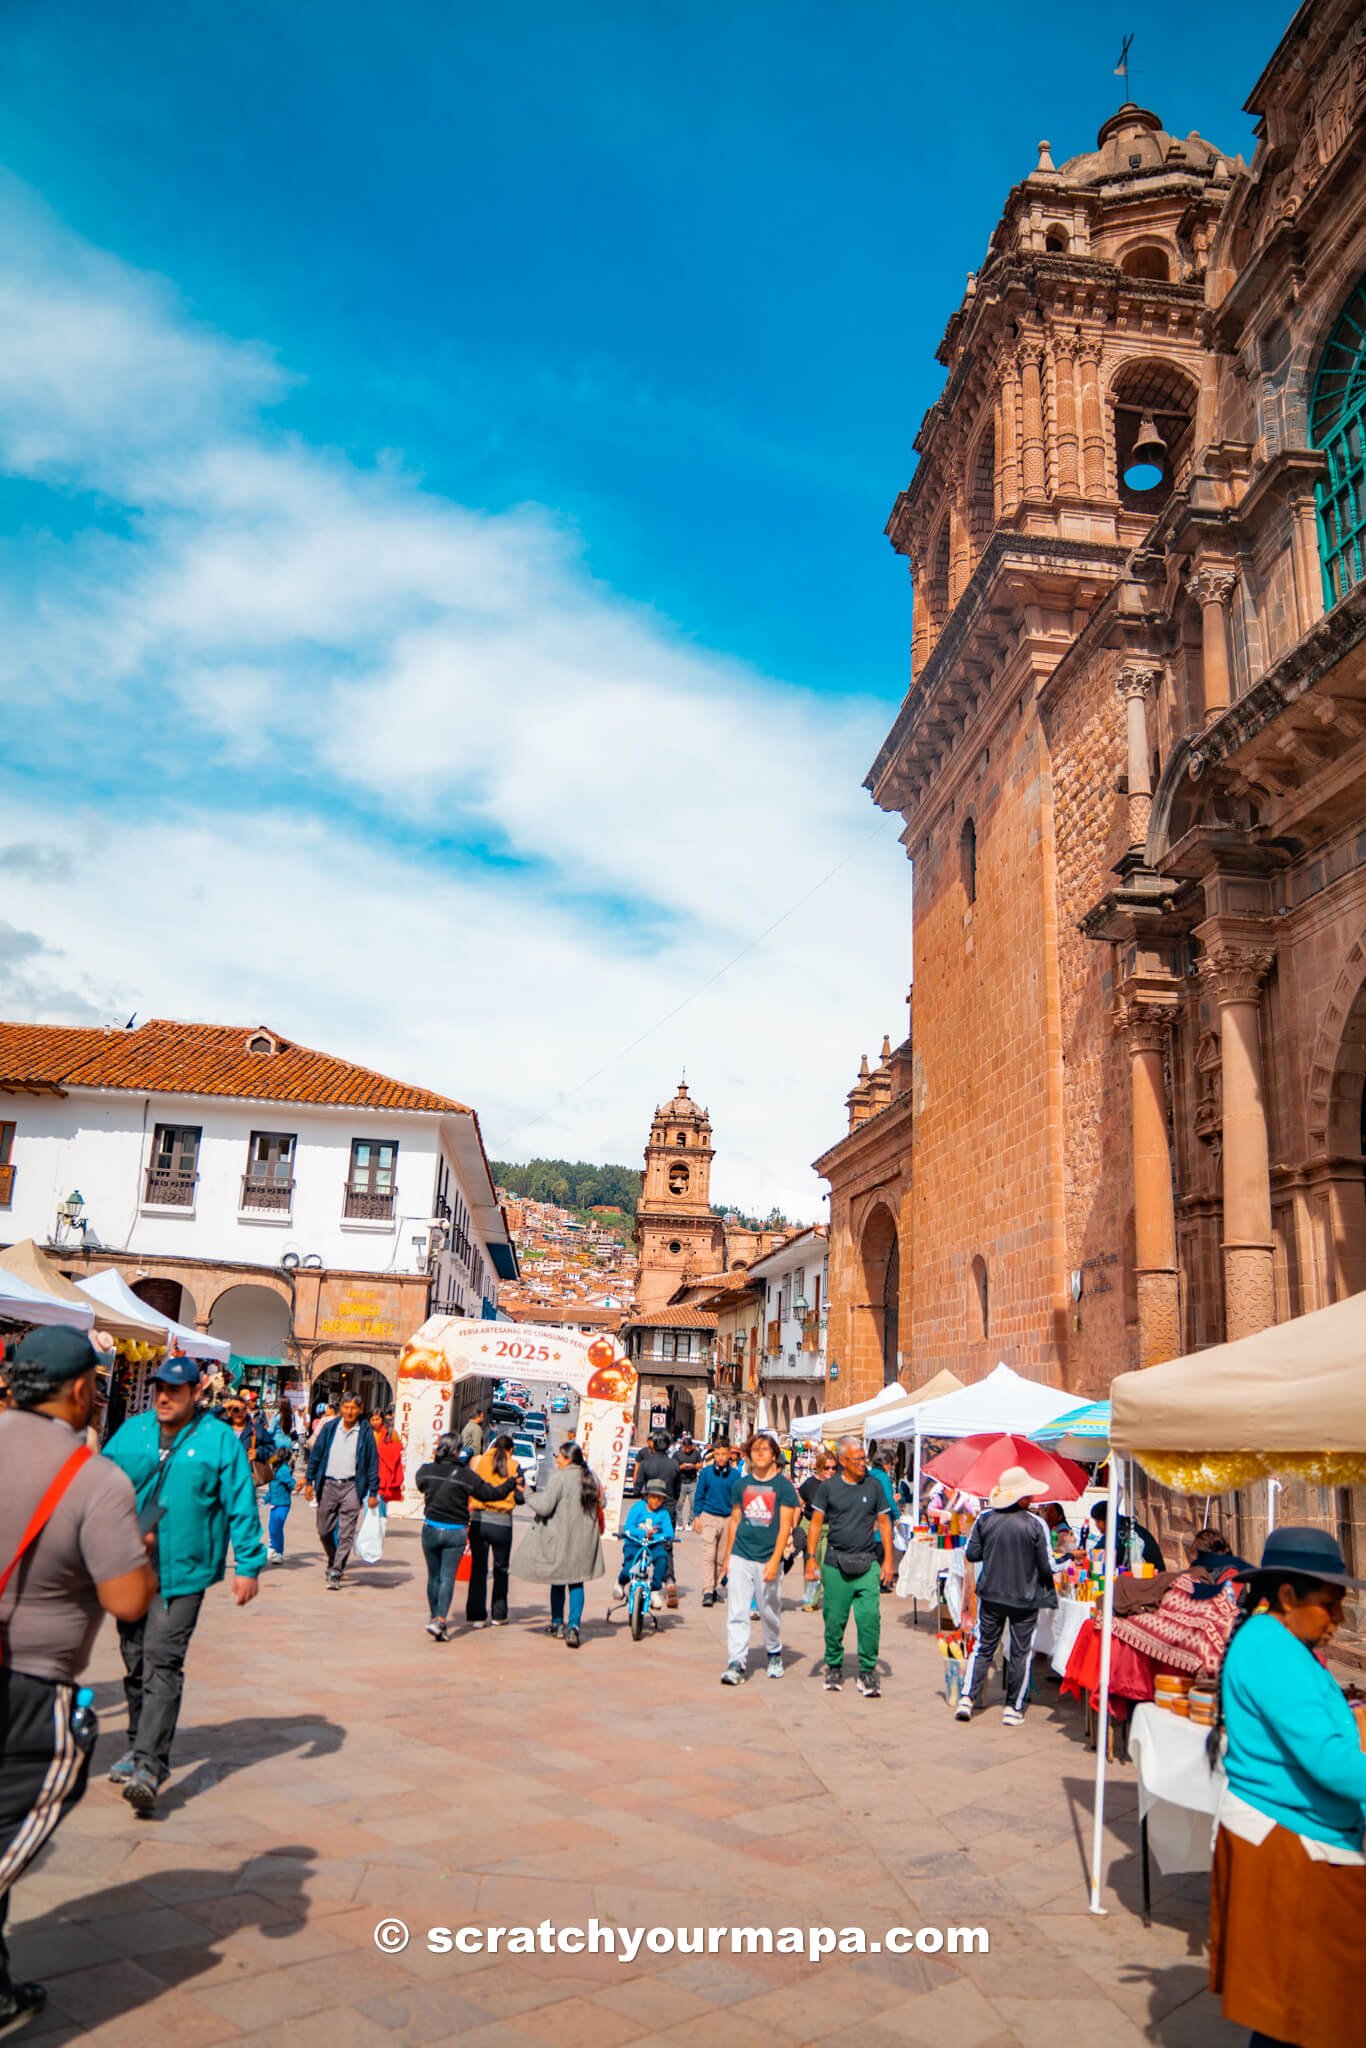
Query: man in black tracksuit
[
  {"x": 1010, "y": 1547},
  {"x": 657, "y": 1464}
]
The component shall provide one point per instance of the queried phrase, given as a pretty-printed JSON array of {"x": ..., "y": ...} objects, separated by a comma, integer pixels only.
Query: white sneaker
[
  {"x": 1012, "y": 1718},
  {"x": 656, "y": 1602},
  {"x": 275, "y": 1557},
  {"x": 963, "y": 1711}
]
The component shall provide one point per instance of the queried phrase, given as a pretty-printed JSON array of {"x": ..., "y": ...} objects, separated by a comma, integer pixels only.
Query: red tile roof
[
  {"x": 674, "y": 1319},
  {"x": 169, "y": 1058}
]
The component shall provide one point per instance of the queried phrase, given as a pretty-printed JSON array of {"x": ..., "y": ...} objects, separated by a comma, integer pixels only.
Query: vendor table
[
  {"x": 1178, "y": 1793},
  {"x": 923, "y": 1565},
  {"x": 1057, "y": 1630}
]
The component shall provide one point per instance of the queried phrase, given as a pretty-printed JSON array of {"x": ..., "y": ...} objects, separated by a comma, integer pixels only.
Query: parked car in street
[
  {"x": 527, "y": 1452},
  {"x": 535, "y": 1424}
]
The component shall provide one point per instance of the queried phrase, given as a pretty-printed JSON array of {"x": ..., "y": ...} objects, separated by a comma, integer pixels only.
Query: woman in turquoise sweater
[{"x": 1288, "y": 1898}]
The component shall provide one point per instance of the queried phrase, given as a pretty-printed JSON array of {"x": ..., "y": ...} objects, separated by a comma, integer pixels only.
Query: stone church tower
[{"x": 676, "y": 1233}]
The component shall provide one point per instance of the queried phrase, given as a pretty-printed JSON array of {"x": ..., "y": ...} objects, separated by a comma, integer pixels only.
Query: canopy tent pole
[
  {"x": 1107, "y": 1618},
  {"x": 915, "y": 1482}
]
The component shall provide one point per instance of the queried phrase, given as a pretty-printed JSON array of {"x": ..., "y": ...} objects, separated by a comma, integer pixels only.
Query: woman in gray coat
[{"x": 563, "y": 1546}]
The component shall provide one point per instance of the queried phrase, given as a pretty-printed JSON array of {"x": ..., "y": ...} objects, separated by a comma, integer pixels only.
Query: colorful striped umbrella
[{"x": 1082, "y": 1433}]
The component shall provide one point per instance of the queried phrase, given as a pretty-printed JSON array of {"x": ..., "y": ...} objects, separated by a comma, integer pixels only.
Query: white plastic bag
[{"x": 370, "y": 1536}]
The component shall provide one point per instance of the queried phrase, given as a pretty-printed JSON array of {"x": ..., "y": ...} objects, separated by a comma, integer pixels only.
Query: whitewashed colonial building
[{"x": 303, "y": 1207}]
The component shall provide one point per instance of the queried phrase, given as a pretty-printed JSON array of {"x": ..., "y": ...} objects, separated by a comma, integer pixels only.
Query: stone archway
[
  {"x": 1337, "y": 1133},
  {"x": 876, "y": 1319},
  {"x": 253, "y": 1319},
  {"x": 168, "y": 1297}
]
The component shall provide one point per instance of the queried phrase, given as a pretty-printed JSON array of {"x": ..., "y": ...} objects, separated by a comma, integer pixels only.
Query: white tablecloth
[
  {"x": 1177, "y": 1790},
  {"x": 922, "y": 1567},
  {"x": 1058, "y": 1629}
]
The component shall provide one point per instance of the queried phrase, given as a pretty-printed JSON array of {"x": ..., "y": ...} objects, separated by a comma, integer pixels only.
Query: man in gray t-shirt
[{"x": 88, "y": 1559}]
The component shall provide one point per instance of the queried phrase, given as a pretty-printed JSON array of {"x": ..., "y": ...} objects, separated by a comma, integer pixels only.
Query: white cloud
[{"x": 350, "y": 668}]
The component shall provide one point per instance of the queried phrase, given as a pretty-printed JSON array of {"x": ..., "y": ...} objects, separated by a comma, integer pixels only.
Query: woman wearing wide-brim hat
[{"x": 1288, "y": 1897}]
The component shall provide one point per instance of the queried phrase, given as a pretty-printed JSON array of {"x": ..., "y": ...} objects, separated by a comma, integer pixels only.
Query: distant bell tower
[{"x": 675, "y": 1230}]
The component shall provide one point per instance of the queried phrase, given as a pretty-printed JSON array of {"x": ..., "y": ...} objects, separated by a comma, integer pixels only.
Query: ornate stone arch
[{"x": 1337, "y": 1070}]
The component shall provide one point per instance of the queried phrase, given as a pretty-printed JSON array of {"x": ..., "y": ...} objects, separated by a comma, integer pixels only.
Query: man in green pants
[{"x": 852, "y": 1510}]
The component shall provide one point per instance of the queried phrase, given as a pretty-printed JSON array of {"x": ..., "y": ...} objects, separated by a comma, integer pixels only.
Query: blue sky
[{"x": 446, "y": 448}]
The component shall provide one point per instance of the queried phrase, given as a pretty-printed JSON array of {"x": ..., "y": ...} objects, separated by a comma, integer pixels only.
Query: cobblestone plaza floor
[{"x": 335, "y": 1767}]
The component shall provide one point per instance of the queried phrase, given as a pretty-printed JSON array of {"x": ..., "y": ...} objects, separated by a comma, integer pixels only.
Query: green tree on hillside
[{"x": 573, "y": 1184}]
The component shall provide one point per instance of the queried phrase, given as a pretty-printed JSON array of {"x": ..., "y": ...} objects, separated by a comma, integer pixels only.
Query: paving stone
[{"x": 504, "y": 1784}]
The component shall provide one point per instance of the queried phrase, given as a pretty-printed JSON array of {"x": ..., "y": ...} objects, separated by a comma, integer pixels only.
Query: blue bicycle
[{"x": 634, "y": 1596}]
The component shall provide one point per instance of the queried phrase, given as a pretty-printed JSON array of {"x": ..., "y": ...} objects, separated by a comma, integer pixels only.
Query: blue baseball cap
[{"x": 177, "y": 1371}]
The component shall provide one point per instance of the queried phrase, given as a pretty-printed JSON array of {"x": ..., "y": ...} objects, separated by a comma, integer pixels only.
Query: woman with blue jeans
[
  {"x": 446, "y": 1486},
  {"x": 563, "y": 1547}
]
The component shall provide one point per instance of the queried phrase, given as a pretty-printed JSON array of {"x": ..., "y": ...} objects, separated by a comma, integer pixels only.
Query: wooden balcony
[
  {"x": 169, "y": 1190},
  {"x": 366, "y": 1205}
]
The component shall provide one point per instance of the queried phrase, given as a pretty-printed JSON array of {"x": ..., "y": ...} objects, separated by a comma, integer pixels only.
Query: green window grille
[{"x": 1337, "y": 425}]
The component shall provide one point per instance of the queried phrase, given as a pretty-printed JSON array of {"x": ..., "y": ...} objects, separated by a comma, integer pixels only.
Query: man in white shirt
[{"x": 343, "y": 1473}]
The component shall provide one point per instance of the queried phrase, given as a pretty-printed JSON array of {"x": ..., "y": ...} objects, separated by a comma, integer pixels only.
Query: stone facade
[
  {"x": 867, "y": 1339},
  {"x": 1132, "y": 761}
]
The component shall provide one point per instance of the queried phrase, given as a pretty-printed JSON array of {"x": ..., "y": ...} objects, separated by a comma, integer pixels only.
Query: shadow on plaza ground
[
  {"x": 123, "y": 1946},
  {"x": 206, "y": 1754},
  {"x": 1181, "y": 2011}
]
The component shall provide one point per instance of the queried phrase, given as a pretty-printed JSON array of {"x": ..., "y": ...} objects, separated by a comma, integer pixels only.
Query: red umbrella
[{"x": 975, "y": 1463}]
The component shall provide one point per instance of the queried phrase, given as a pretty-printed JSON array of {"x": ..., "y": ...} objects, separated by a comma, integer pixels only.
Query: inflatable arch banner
[{"x": 450, "y": 1348}]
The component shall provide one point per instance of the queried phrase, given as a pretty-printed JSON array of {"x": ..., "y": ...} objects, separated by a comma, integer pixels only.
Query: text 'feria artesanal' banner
[{"x": 450, "y": 1348}]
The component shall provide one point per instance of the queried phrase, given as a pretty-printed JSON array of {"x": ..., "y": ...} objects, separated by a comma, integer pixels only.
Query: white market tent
[
  {"x": 848, "y": 1421},
  {"x": 1003, "y": 1402},
  {"x": 109, "y": 1290},
  {"x": 27, "y": 1262},
  {"x": 22, "y": 1303},
  {"x": 1288, "y": 1399}
]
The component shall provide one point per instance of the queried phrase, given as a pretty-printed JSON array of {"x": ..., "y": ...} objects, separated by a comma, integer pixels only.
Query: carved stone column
[
  {"x": 1145, "y": 1017},
  {"x": 920, "y": 616},
  {"x": 960, "y": 551},
  {"x": 1007, "y": 437},
  {"x": 1212, "y": 589},
  {"x": 1092, "y": 419},
  {"x": 1065, "y": 410},
  {"x": 1136, "y": 682},
  {"x": 1235, "y": 973},
  {"x": 1031, "y": 392}
]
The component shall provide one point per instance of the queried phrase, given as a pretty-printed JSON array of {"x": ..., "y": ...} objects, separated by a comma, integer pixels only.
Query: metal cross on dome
[{"x": 1122, "y": 68}]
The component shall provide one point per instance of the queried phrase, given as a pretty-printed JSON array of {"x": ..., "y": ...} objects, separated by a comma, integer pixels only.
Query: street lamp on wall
[{"x": 71, "y": 1212}]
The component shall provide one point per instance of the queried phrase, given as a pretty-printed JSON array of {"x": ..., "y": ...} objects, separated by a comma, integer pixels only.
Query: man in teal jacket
[{"x": 194, "y": 1493}]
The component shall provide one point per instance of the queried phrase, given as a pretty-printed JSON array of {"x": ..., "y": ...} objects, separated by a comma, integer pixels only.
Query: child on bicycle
[{"x": 649, "y": 1527}]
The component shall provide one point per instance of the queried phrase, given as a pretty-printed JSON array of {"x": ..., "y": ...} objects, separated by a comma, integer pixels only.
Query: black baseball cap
[{"x": 61, "y": 1354}]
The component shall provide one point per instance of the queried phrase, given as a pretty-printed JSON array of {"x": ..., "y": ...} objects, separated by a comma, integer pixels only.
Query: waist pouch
[{"x": 851, "y": 1563}]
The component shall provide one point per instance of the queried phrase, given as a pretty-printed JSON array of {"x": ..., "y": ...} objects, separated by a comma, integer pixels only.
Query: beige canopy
[
  {"x": 28, "y": 1262},
  {"x": 1289, "y": 1399},
  {"x": 883, "y": 1423}
]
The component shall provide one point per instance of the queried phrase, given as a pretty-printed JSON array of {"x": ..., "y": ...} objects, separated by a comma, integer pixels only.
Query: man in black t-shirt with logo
[{"x": 851, "y": 1510}]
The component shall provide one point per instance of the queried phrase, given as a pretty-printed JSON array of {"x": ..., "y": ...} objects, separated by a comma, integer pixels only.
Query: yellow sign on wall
[{"x": 360, "y": 1315}]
